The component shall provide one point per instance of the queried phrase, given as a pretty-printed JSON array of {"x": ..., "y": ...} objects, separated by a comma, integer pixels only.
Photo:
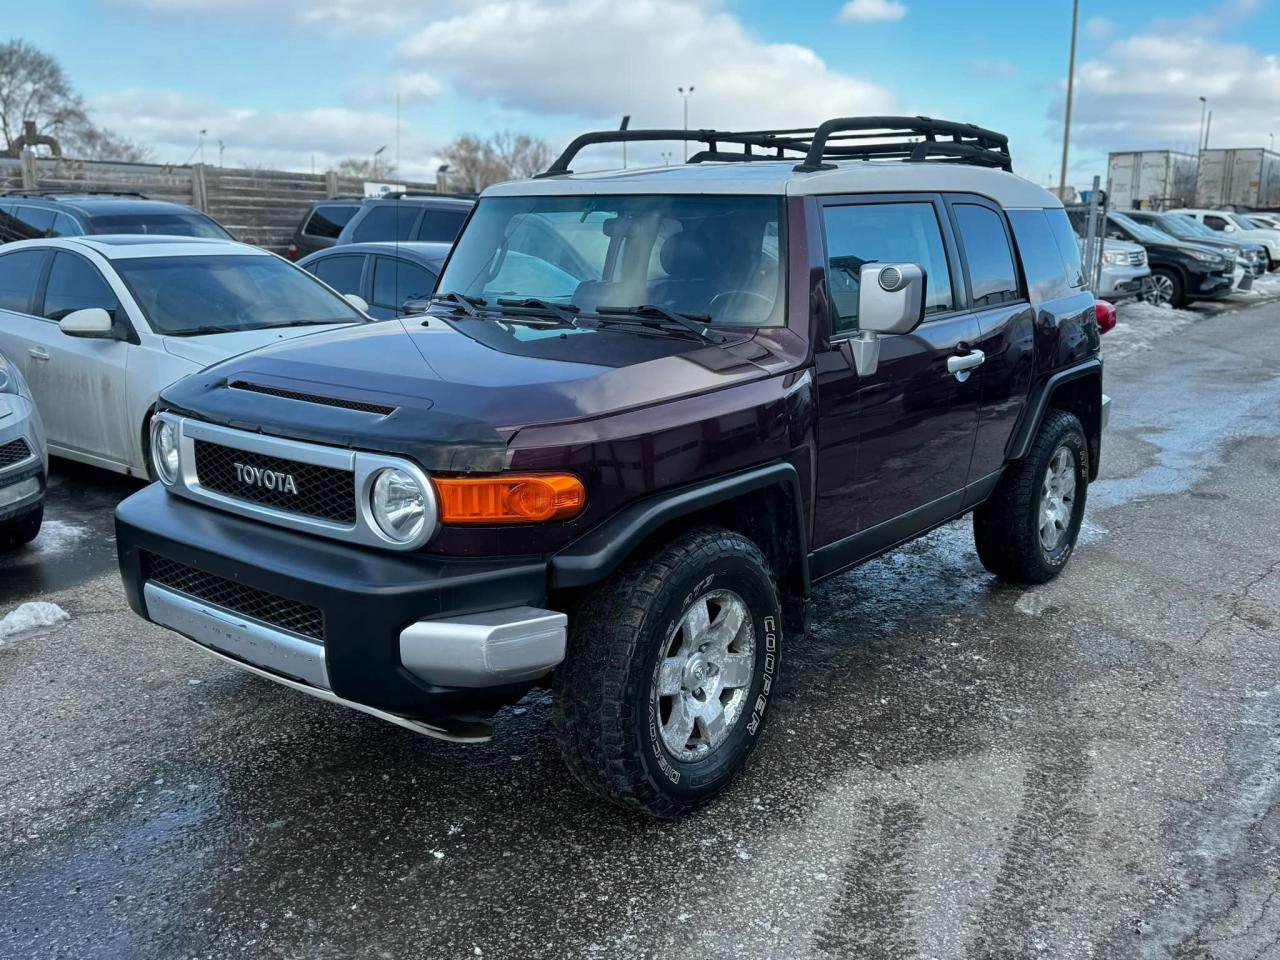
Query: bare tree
[
  {"x": 476, "y": 163},
  {"x": 33, "y": 87},
  {"x": 367, "y": 168},
  {"x": 97, "y": 143}
]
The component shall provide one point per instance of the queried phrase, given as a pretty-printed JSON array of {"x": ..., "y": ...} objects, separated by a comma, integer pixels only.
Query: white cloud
[
  {"x": 414, "y": 89},
  {"x": 601, "y": 59},
  {"x": 321, "y": 14},
  {"x": 1144, "y": 90},
  {"x": 867, "y": 11},
  {"x": 1099, "y": 28},
  {"x": 171, "y": 122}
]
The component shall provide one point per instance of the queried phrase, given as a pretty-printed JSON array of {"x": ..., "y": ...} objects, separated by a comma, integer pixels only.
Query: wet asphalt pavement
[{"x": 953, "y": 767}]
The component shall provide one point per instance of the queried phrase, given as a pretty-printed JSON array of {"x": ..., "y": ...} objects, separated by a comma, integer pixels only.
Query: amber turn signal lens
[{"x": 509, "y": 498}]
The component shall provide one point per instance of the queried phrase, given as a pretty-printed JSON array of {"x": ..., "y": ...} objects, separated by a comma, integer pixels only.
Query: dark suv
[
  {"x": 646, "y": 413},
  {"x": 31, "y": 216},
  {"x": 408, "y": 216}
]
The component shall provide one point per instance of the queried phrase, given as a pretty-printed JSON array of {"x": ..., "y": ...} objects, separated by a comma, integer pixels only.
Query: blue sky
[{"x": 291, "y": 82}]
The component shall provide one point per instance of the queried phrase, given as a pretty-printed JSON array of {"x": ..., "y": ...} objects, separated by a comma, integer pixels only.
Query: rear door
[
  {"x": 895, "y": 446},
  {"x": 1006, "y": 325},
  {"x": 80, "y": 386},
  {"x": 23, "y": 337}
]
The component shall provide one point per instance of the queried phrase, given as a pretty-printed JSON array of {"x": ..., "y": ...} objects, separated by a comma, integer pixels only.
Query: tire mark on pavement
[{"x": 876, "y": 889}]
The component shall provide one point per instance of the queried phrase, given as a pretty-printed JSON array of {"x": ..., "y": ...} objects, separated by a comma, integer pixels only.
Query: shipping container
[
  {"x": 1244, "y": 179},
  {"x": 1151, "y": 180}
]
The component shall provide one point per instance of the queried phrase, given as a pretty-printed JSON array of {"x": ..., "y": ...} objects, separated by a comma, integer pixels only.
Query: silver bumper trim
[
  {"x": 202, "y": 619},
  {"x": 485, "y": 649}
]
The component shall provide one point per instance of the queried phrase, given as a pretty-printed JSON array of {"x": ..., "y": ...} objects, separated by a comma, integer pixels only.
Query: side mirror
[
  {"x": 92, "y": 322},
  {"x": 1229, "y": 228},
  {"x": 890, "y": 301},
  {"x": 415, "y": 307},
  {"x": 357, "y": 301}
]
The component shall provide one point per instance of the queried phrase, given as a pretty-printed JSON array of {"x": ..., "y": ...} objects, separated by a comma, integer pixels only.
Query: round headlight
[
  {"x": 399, "y": 505},
  {"x": 164, "y": 451}
]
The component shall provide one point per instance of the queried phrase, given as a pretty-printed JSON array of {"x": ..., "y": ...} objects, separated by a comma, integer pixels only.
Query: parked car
[
  {"x": 100, "y": 325},
  {"x": 24, "y": 460},
  {"x": 1238, "y": 226},
  {"x": 646, "y": 413},
  {"x": 407, "y": 216},
  {"x": 1181, "y": 272},
  {"x": 1264, "y": 221},
  {"x": 321, "y": 225},
  {"x": 393, "y": 278},
  {"x": 1251, "y": 258},
  {"x": 1124, "y": 273},
  {"x": 31, "y": 216}
]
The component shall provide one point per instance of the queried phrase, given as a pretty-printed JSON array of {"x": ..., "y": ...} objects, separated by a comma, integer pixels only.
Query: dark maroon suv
[{"x": 644, "y": 414}]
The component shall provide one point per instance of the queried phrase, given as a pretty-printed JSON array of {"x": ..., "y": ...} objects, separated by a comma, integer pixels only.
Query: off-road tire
[
  {"x": 20, "y": 531},
  {"x": 607, "y": 710},
  {"x": 1006, "y": 528}
]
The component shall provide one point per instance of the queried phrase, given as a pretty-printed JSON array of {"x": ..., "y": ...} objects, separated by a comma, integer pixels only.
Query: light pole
[
  {"x": 686, "y": 94},
  {"x": 373, "y": 170},
  {"x": 1071, "y": 83},
  {"x": 1204, "y": 105},
  {"x": 202, "y": 133}
]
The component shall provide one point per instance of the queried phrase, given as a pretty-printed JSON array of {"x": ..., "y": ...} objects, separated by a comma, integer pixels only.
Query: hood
[
  {"x": 452, "y": 392},
  {"x": 212, "y": 347}
]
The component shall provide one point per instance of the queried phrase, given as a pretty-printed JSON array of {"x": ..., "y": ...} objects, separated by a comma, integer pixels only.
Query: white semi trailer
[
  {"x": 1151, "y": 180},
  {"x": 1242, "y": 179}
]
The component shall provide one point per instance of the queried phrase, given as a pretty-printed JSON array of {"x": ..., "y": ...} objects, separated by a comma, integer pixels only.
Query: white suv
[{"x": 1239, "y": 227}]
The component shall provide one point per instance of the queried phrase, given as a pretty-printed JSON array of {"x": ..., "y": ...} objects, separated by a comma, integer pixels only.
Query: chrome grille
[
  {"x": 324, "y": 492},
  {"x": 279, "y": 612},
  {"x": 15, "y": 451},
  {"x": 1137, "y": 258}
]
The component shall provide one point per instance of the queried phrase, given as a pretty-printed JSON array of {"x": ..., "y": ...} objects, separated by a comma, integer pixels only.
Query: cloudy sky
[{"x": 293, "y": 83}]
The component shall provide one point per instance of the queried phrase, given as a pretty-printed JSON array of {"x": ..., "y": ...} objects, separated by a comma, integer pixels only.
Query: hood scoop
[{"x": 364, "y": 406}]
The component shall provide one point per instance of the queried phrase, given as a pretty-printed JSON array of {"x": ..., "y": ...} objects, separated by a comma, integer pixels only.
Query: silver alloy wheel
[
  {"x": 1161, "y": 290},
  {"x": 1057, "y": 498},
  {"x": 705, "y": 675}
]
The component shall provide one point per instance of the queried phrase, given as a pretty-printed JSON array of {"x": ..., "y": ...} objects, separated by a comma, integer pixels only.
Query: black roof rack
[
  {"x": 399, "y": 194},
  {"x": 913, "y": 139},
  {"x": 55, "y": 194}
]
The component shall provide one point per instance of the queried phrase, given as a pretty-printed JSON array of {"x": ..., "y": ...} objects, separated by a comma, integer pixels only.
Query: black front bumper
[{"x": 366, "y": 597}]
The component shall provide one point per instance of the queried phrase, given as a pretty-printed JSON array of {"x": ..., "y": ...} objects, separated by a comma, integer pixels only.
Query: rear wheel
[
  {"x": 1166, "y": 289},
  {"x": 670, "y": 666},
  {"x": 22, "y": 530}
]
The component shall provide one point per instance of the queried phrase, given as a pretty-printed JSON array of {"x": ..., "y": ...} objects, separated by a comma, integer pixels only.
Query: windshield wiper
[
  {"x": 564, "y": 312},
  {"x": 695, "y": 323},
  {"x": 463, "y": 301}
]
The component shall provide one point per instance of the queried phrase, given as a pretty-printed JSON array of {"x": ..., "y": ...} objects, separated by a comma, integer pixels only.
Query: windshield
[
  {"x": 164, "y": 224},
  {"x": 1138, "y": 231},
  {"x": 1242, "y": 222},
  {"x": 1184, "y": 228},
  {"x": 712, "y": 256},
  {"x": 187, "y": 296}
]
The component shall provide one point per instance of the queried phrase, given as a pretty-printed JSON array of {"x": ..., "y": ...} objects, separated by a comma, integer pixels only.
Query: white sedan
[{"x": 100, "y": 325}]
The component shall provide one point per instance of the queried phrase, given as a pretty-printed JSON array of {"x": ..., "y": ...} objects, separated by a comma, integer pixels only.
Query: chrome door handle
[
  {"x": 960, "y": 364},
  {"x": 38, "y": 353}
]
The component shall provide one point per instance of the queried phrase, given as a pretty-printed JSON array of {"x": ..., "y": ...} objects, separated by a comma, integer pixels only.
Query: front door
[{"x": 894, "y": 447}]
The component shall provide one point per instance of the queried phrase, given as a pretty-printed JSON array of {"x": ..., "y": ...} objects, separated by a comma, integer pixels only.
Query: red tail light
[
  {"x": 1106, "y": 315},
  {"x": 292, "y": 252}
]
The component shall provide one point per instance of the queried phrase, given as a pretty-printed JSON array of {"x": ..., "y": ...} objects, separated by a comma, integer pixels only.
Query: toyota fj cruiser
[{"x": 646, "y": 411}]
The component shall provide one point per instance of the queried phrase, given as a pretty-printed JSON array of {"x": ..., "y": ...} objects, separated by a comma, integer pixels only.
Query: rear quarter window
[
  {"x": 1050, "y": 273},
  {"x": 328, "y": 221}
]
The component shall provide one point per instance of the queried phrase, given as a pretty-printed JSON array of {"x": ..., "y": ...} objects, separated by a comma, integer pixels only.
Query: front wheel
[
  {"x": 671, "y": 663},
  {"x": 1027, "y": 531},
  {"x": 20, "y": 531},
  {"x": 1166, "y": 289}
]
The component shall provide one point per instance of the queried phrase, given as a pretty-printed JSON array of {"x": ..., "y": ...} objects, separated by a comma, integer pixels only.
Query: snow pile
[
  {"x": 57, "y": 536},
  {"x": 30, "y": 616},
  {"x": 1140, "y": 324}
]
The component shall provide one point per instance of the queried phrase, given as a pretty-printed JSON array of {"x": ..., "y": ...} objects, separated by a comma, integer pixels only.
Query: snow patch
[
  {"x": 31, "y": 616},
  {"x": 1032, "y": 604},
  {"x": 1139, "y": 325},
  {"x": 57, "y": 536}
]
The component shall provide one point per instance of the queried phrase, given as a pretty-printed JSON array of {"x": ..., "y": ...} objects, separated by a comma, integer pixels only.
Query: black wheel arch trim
[
  {"x": 1038, "y": 404},
  {"x": 594, "y": 556}
]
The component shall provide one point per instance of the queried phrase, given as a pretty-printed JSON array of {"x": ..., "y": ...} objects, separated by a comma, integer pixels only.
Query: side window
[
  {"x": 1042, "y": 262},
  {"x": 328, "y": 221},
  {"x": 395, "y": 281},
  {"x": 9, "y": 229},
  {"x": 386, "y": 222},
  {"x": 992, "y": 274},
  {"x": 878, "y": 232},
  {"x": 64, "y": 226},
  {"x": 18, "y": 274},
  {"x": 1068, "y": 245},
  {"x": 342, "y": 273},
  {"x": 441, "y": 226},
  {"x": 32, "y": 222},
  {"x": 1218, "y": 223},
  {"x": 75, "y": 284}
]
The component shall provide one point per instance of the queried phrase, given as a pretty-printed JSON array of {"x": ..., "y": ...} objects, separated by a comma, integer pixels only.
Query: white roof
[
  {"x": 127, "y": 246},
  {"x": 778, "y": 177}
]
